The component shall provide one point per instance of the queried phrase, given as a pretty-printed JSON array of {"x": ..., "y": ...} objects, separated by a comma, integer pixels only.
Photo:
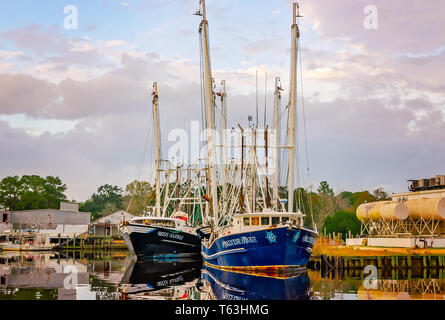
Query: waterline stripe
[{"x": 212, "y": 256}]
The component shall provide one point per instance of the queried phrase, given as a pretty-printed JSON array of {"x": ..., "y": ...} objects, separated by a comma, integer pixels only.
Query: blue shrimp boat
[
  {"x": 261, "y": 242},
  {"x": 236, "y": 286},
  {"x": 251, "y": 230}
]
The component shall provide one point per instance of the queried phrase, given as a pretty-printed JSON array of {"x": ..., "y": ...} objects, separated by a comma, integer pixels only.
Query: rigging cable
[{"x": 142, "y": 160}]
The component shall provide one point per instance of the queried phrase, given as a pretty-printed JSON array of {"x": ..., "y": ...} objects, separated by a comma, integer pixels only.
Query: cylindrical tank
[
  {"x": 433, "y": 208},
  {"x": 387, "y": 210}
]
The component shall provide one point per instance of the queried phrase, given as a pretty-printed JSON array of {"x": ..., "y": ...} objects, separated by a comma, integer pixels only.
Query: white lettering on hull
[{"x": 239, "y": 241}]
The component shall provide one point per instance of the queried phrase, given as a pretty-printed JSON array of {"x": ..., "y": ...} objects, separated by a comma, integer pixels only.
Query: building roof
[
  {"x": 45, "y": 211},
  {"x": 114, "y": 218}
]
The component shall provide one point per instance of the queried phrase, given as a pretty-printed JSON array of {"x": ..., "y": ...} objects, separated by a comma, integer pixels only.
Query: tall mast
[
  {"x": 157, "y": 148},
  {"x": 277, "y": 129},
  {"x": 292, "y": 109},
  {"x": 224, "y": 142},
  {"x": 210, "y": 114}
]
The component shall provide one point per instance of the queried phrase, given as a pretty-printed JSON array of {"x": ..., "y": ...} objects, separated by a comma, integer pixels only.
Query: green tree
[
  {"x": 324, "y": 188},
  {"x": 10, "y": 190},
  {"x": 140, "y": 195},
  {"x": 31, "y": 192},
  {"x": 342, "y": 221},
  {"x": 108, "y": 199},
  {"x": 358, "y": 198},
  {"x": 380, "y": 194}
]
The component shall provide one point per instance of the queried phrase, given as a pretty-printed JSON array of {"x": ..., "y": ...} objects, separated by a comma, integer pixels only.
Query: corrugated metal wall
[{"x": 49, "y": 218}]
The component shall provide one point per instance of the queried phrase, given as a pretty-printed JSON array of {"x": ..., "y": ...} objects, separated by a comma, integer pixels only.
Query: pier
[
  {"x": 331, "y": 254},
  {"x": 91, "y": 242}
]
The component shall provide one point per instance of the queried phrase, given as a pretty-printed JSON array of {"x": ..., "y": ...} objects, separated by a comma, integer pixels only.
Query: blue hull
[
  {"x": 274, "y": 247},
  {"x": 237, "y": 286}
]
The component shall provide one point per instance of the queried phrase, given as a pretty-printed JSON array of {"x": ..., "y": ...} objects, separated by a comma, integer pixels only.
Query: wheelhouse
[
  {"x": 269, "y": 219},
  {"x": 159, "y": 222}
]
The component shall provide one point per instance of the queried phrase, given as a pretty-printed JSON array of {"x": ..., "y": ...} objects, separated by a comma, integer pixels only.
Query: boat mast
[
  {"x": 210, "y": 115},
  {"x": 292, "y": 109},
  {"x": 157, "y": 148},
  {"x": 224, "y": 142},
  {"x": 276, "y": 156}
]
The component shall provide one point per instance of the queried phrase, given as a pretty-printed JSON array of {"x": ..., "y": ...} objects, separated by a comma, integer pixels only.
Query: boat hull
[
  {"x": 156, "y": 242},
  {"x": 25, "y": 248},
  {"x": 261, "y": 250},
  {"x": 238, "y": 286}
]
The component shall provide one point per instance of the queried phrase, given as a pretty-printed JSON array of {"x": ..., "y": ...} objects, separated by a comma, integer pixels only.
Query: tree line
[
  {"x": 31, "y": 192},
  {"x": 331, "y": 212}
]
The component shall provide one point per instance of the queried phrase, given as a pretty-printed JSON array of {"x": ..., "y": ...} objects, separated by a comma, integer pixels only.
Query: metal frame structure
[{"x": 410, "y": 226}]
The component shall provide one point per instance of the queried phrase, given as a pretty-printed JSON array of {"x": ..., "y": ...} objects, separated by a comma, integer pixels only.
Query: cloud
[
  {"x": 36, "y": 39},
  {"x": 374, "y": 101},
  {"x": 22, "y": 93},
  {"x": 115, "y": 43}
]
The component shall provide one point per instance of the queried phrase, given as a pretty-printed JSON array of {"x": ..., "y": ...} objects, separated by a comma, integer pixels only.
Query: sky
[{"x": 75, "y": 103}]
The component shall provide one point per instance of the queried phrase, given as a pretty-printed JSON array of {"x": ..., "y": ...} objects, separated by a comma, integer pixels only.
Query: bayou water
[{"x": 117, "y": 276}]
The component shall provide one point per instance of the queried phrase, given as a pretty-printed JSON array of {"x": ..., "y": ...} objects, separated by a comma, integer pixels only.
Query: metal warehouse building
[{"x": 66, "y": 222}]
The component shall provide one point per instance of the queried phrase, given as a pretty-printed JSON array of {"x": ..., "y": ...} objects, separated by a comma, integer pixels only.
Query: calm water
[{"x": 116, "y": 276}]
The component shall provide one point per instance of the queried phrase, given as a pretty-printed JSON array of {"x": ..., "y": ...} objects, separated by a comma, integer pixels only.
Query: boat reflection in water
[
  {"x": 412, "y": 289},
  {"x": 53, "y": 276},
  {"x": 166, "y": 279},
  {"x": 224, "y": 285}
]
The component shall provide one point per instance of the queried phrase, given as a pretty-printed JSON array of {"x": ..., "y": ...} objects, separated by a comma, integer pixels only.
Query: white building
[
  {"x": 108, "y": 225},
  {"x": 66, "y": 222}
]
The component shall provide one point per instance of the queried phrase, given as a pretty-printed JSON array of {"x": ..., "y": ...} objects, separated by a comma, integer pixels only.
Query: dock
[
  {"x": 329, "y": 254},
  {"x": 90, "y": 243}
]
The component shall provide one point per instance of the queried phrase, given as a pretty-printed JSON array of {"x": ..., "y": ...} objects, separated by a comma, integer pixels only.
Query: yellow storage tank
[
  {"x": 387, "y": 210},
  {"x": 426, "y": 208}
]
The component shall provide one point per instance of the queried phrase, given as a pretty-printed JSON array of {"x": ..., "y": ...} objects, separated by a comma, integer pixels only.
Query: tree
[
  {"x": 358, "y": 198},
  {"x": 380, "y": 194},
  {"x": 140, "y": 195},
  {"x": 325, "y": 189},
  {"x": 343, "y": 222},
  {"x": 108, "y": 199},
  {"x": 10, "y": 190},
  {"x": 31, "y": 192},
  {"x": 54, "y": 191}
]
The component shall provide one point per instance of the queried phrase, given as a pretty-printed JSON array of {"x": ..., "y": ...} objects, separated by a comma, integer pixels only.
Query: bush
[{"x": 343, "y": 222}]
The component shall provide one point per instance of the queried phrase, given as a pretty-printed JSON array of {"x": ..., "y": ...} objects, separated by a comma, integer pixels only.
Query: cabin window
[
  {"x": 255, "y": 221},
  {"x": 284, "y": 219},
  {"x": 160, "y": 223},
  {"x": 5, "y": 217},
  {"x": 246, "y": 221},
  {"x": 265, "y": 221},
  {"x": 275, "y": 220}
]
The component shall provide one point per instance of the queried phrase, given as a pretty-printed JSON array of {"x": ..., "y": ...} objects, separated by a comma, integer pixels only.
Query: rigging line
[
  {"x": 304, "y": 112},
  {"x": 256, "y": 81},
  {"x": 265, "y": 101},
  {"x": 201, "y": 78},
  {"x": 142, "y": 161},
  {"x": 305, "y": 135}
]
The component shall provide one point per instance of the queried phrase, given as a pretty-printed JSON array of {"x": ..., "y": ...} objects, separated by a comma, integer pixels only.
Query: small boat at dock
[{"x": 27, "y": 243}]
